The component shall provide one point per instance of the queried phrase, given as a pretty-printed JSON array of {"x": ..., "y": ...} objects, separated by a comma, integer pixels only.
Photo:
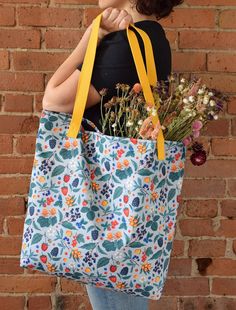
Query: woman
[{"x": 113, "y": 64}]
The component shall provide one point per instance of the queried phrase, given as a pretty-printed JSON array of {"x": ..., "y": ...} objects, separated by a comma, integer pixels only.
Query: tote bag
[{"x": 102, "y": 209}]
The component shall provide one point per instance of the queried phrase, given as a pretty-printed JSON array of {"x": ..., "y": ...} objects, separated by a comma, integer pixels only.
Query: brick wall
[{"x": 36, "y": 36}]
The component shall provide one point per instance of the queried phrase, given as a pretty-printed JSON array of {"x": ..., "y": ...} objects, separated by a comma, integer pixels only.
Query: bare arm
[{"x": 61, "y": 89}]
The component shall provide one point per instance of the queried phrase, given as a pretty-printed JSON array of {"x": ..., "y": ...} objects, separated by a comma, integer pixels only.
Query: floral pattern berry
[{"x": 102, "y": 209}]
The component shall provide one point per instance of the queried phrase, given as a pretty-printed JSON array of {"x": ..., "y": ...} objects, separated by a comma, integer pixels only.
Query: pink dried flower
[
  {"x": 197, "y": 125},
  {"x": 194, "y": 89},
  {"x": 187, "y": 141}
]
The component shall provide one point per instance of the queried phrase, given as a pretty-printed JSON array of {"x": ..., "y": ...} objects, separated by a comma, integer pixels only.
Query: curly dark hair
[{"x": 160, "y": 8}]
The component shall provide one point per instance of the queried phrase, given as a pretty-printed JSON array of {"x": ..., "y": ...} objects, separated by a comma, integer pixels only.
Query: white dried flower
[
  {"x": 185, "y": 100},
  {"x": 212, "y": 103},
  {"x": 182, "y": 80},
  {"x": 114, "y": 125},
  {"x": 149, "y": 109},
  {"x": 191, "y": 98},
  {"x": 180, "y": 87},
  {"x": 210, "y": 94},
  {"x": 205, "y": 100},
  {"x": 200, "y": 91},
  {"x": 216, "y": 116},
  {"x": 129, "y": 124},
  {"x": 194, "y": 113},
  {"x": 140, "y": 122},
  {"x": 136, "y": 128}
]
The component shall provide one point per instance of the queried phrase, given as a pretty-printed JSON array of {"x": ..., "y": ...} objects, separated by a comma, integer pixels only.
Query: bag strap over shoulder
[{"x": 145, "y": 80}]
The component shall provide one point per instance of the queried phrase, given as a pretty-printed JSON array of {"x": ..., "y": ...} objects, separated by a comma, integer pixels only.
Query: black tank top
[{"x": 114, "y": 62}]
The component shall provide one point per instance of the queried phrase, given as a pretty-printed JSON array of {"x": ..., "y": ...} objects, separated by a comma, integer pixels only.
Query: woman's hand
[{"x": 113, "y": 20}]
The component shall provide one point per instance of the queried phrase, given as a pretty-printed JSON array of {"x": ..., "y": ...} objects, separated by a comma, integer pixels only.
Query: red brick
[
  {"x": 67, "y": 302},
  {"x": 18, "y": 124},
  {"x": 19, "y": 38},
  {"x": 223, "y": 62},
  {"x": 12, "y": 165},
  {"x": 18, "y": 103},
  {"x": 191, "y": 18},
  {"x": 62, "y": 38},
  {"x": 25, "y": 144},
  {"x": 189, "y": 61},
  {"x": 232, "y": 105},
  {"x": 227, "y": 228},
  {"x": 12, "y": 206},
  {"x": 223, "y": 286},
  {"x": 7, "y": 16},
  {"x": 4, "y": 60},
  {"x": 6, "y": 144},
  {"x": 232, "y": 188},
  {"x": 38, "y": 61},
  {"x": 234, "y": 246},
  {"x": 224, "y": 146},
  {"x": 12, "y": 302},
  {"x": 30, "y": 284},
  {"x": 186, "y": 287},
  {"x": 52, "y": 16},
  {"x": 164, "y": 303},
  {"x": 180, "y": 267},
  {"x": 228, "y": 208},
  {"x": 219, "y": 128},
  {"x": 210, "y": 188},
  {"x": 15, "y": 226},
  {"x": 12, "y": 185},
  {"x": 21, "y": 81},
  {"x": 227, "y": 19},
  {"x": 205, "y": 39},
  {"x": 216, "y": 303},
  {"x": 196, "y": 227},
  {"x": 212, "y": 168},
  {"x": 207, "y": 248},
  {"x": 222, "y": 267},
  {"x": 70, "y": 286},
  {"x": 178, "y": 248},
  {"x": 39, "y": 303},
  {"x": 234, "y": 127},
  {"x": 10, "y": 245},
  {"x": 10, "y": 265},
  {"x": 201, "y": 208}
]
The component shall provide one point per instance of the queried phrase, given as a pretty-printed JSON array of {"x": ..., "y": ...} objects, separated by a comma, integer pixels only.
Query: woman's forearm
[{"x": 74, "y": 59}]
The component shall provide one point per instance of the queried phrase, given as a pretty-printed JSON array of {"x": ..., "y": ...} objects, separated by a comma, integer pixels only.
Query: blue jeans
[{"x": 106, "y": 299}]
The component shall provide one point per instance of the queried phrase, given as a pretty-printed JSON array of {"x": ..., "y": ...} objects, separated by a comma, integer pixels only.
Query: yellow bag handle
[{"x": 86, "y": 74}]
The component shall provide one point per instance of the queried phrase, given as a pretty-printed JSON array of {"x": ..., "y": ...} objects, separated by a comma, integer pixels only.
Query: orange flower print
[
  {"x": 109, "y": 236},
  {"x": 118, "y": 234},
  {"x": 154, "y": 196},
  {"x": 70, "y": 201},
  {"x": 67, "y": 144},
  {"x": 53, "y": 211},
  {"x": 120, "y": 285},
  {"x": 51, "y": 268},
  {"x": 45, "y": 212},
  {"x": 75, "y": 143},
  {"x": 126, "y": 163},
  {"x": 133, "y": 221},
  {"x": 119, "y": 165},
  {"x": 146, "y": 267},
  {"x": 174, "y": 168},
  {"x": 76, "y": 253},
  {"x": 142, "y": 148}
]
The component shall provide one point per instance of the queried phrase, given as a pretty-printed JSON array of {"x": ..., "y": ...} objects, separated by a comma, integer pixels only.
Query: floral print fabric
[{"x": 102, "y": 209}]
